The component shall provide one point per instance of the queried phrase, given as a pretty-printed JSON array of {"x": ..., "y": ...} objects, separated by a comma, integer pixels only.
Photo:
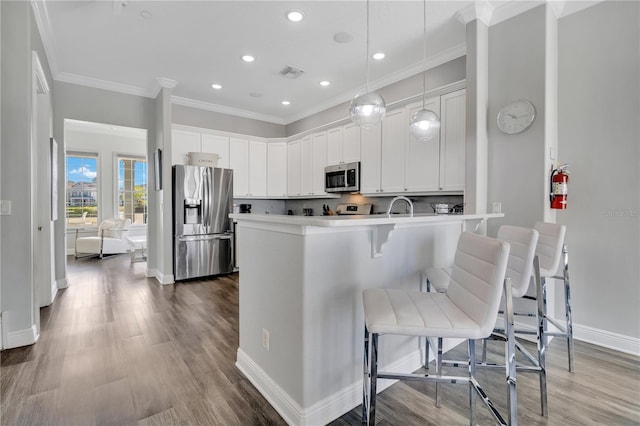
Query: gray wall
[
  {"x": 189, "y": 116},
  {"x": 447, "y": 73},
  {"x": 599, "y": 95},
  {"x": 19, "y": 37},
  {"x": 516, "y": 162}
]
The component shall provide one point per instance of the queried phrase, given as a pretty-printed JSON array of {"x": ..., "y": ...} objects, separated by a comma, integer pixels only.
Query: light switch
[{"x": 5, "y": 207}]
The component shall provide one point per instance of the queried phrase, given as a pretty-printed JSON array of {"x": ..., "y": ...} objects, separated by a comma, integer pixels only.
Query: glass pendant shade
[
  {"x": 424, "y": 125},
  {"x": 367, "y": 110}
]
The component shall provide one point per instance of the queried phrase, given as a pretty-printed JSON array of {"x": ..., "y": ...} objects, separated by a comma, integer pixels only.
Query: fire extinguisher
[{"x": 558, "y": 187}]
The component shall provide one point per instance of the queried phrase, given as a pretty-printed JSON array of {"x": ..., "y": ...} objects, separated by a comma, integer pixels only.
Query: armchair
[{"x": 110, "y": 239}]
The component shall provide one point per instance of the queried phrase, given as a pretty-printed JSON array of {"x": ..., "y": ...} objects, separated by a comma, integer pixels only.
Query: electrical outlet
[
  {"x": 496, "y": 207},
  {"x": 265, "y": 339}
]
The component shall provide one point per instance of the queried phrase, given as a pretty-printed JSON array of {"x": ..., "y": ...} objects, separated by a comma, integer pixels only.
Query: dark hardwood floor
[{"x": 116, "y": 348}]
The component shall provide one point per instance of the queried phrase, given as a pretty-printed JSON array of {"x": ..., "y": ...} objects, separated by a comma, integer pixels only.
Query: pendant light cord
[
  {"x": 424, "y": 54},
  {"x": 367, "y": 83}
]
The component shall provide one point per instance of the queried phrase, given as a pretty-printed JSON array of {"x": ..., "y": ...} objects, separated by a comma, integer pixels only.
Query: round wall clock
[{"x": 516, "y": 117}]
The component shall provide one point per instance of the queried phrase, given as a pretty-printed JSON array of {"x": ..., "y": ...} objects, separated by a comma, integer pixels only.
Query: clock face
[{"x": 516, "y": 117}]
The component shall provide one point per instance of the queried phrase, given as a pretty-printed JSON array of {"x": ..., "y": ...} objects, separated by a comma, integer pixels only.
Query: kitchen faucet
[{"x": 409, "y": 203}]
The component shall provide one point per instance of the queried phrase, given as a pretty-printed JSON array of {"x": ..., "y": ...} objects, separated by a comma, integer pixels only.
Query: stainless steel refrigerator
[{"x": 202, "y": 230}]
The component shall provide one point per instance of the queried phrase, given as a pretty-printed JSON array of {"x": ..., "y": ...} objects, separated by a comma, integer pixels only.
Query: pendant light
[
  {"x": 368, "y": 109},
  {"x": 425, "y": 123}
]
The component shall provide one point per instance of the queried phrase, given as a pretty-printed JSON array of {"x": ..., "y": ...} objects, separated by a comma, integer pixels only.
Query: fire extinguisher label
[{"x": 560, "y": 188}]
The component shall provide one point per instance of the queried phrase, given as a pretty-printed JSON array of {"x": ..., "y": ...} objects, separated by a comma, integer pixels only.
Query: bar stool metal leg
[
  {"x": 567, "y": 302},
  {"x": 472, "y": 374},
  {"x": 542, "y": 338},
  {"x": 369, "y": 398}
]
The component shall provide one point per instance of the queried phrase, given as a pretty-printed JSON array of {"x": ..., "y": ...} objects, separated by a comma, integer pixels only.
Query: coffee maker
[{"x": 245, "y": 208}]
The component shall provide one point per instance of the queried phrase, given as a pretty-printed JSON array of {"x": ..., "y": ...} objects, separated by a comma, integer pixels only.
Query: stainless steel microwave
[{"x": 342, "y": 177}]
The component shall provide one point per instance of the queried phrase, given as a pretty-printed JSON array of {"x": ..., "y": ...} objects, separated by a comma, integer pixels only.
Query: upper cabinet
[
  {"x": 407, "y": 165},
  {"x": 452, "y": 136},
  {"x": 276, "y": 169},
  {"x": 294, "y": 168},
  {"x": 216, "y": 144},
  {"x": 239, "y": 162},
  {"x": 319, "y": 162},
  {"x": 182, "y": 143},
  {"x": 343, "y": 144},
  {"x": 371, "y": 145},
  {"x": 185, "y": 141},
  {"x": 257, "y": 168},
  {"x": 306, "y": 165}
]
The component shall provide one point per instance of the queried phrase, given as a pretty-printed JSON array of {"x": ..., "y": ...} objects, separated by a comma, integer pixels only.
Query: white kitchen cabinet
[
  {"x": 294, "y": 169},
  {"x": 306, "y": 165},
  {"x": 452, "y": 136},
  {"x": 276, "y": 169},
  {"x": 371, "y": 144},
  {"x": 334, "y": 146},
  {"x": 257, "y": 168},
  {"x": 422, "y": 165},
  {"x": 239, "y": 162},
  {"x": 350, "y": 143},
  {"x": 216, "y": 144},
  {"x": 343, "y": 144},
  {"x": 183, "y": 142},
  {"x": 394, "y": 129},
  {"x": 319, "y": 144}
]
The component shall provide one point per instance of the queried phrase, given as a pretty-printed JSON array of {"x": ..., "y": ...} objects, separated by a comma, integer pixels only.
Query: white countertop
[{"x": 358, "y": 220}]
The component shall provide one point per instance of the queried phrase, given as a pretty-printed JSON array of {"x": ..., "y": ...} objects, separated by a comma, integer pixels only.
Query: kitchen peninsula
[{"x": 301, "y": 320}]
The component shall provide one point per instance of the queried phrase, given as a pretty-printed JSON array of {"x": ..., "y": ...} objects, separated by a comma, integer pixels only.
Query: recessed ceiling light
[
  {"x": 248, "y": 58},
  {"x": 286, "y": 103},
  {"x": 324, "y": 83},
  {"x": 378, "y": 56},
  {"x": 146, "y": 14},
  {"x": 295, "y": 15},
  {"x": 216, "y": 86}
]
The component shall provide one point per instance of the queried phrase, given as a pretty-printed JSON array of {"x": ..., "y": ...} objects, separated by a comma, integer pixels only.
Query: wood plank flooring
[{"x": 116, "y": 348}]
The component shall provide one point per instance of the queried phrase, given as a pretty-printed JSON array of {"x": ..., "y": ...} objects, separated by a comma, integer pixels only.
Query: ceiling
[{"x": 113, "y": 46}]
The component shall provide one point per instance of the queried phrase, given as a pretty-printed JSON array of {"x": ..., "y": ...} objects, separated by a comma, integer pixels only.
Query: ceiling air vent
[{"x": 291, "y": 72}]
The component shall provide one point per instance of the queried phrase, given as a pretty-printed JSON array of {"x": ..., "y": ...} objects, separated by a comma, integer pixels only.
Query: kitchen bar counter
[{"x": 301, "y": 320}]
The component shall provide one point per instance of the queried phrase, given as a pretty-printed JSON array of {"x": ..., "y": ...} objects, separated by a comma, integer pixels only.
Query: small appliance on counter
[
  {"x": 307, "y": 211},
  {"x": 245, "y": 208},
  {"x": 346, "y": 209}
]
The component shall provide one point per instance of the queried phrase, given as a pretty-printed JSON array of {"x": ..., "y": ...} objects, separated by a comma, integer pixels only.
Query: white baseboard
[
  {"x": 327, "y": 409},
  {"x": 164, "y": 279},
  {"x": 19, "y": 338},
  {"x": 607, "y": 339},
  {"x": 62, "y": 283}
]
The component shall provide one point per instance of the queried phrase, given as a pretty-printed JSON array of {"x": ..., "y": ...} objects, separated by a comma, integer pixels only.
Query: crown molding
[
  {"x": 557, "y": 6},
  {"x": 178, "y": 100},
  {"x": 480, "y": 10},
  {"x": 103, "y": 84},
  {"x": 41, "y": 16},
  {"x": 104, "y": 129},
  {"x": 166, "y": 83}
]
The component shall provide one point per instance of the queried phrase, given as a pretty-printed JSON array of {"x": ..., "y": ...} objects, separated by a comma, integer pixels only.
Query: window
[
  {"x": 82, "y": 189},
  {"x": 132, "y": 189}
]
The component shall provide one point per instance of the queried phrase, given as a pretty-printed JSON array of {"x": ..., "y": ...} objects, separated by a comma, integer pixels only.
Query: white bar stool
[
  {"x": 468, "y": 310},
  {"x": 551, "y": 248}
]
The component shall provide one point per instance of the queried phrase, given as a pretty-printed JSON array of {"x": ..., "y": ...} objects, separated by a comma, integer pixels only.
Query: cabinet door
[
  {"x": 257, "y": 168},
  {"x": 334, "y": 146},
  {"x": 183, "y": 142},
  {"x": 371, "y": 145},
  {"x": 239, "y": 162},
  {"x": 350, "y": 143},
  {"x": 394, "y": 127},
  {"x": 216, "y": 144},
  {"x": 276, "y": 169},
  {"x": 422, "y": 172},
  {"x": 306, "y": 147},
  {"x": 452, "y": 141},
  {"x": 294, "y": 169},
  {"x": 319, "y": 142}
]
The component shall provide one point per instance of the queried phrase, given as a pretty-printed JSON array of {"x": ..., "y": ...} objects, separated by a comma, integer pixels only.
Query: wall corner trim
[
  {"x": 480, "y": 10},
  {"x": 62, "y": 283}
]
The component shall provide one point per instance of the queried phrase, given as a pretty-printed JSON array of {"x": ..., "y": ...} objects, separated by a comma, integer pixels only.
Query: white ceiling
[{"x": 197, "y": 43}]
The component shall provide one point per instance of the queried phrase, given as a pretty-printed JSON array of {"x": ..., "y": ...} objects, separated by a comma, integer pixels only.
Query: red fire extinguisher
[{"x": 559, "y": 184}]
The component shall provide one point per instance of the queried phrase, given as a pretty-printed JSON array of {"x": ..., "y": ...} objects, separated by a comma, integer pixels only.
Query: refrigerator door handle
[
  {"x": 206, "y": 237},
  {"x": 205, "y": 199}
]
